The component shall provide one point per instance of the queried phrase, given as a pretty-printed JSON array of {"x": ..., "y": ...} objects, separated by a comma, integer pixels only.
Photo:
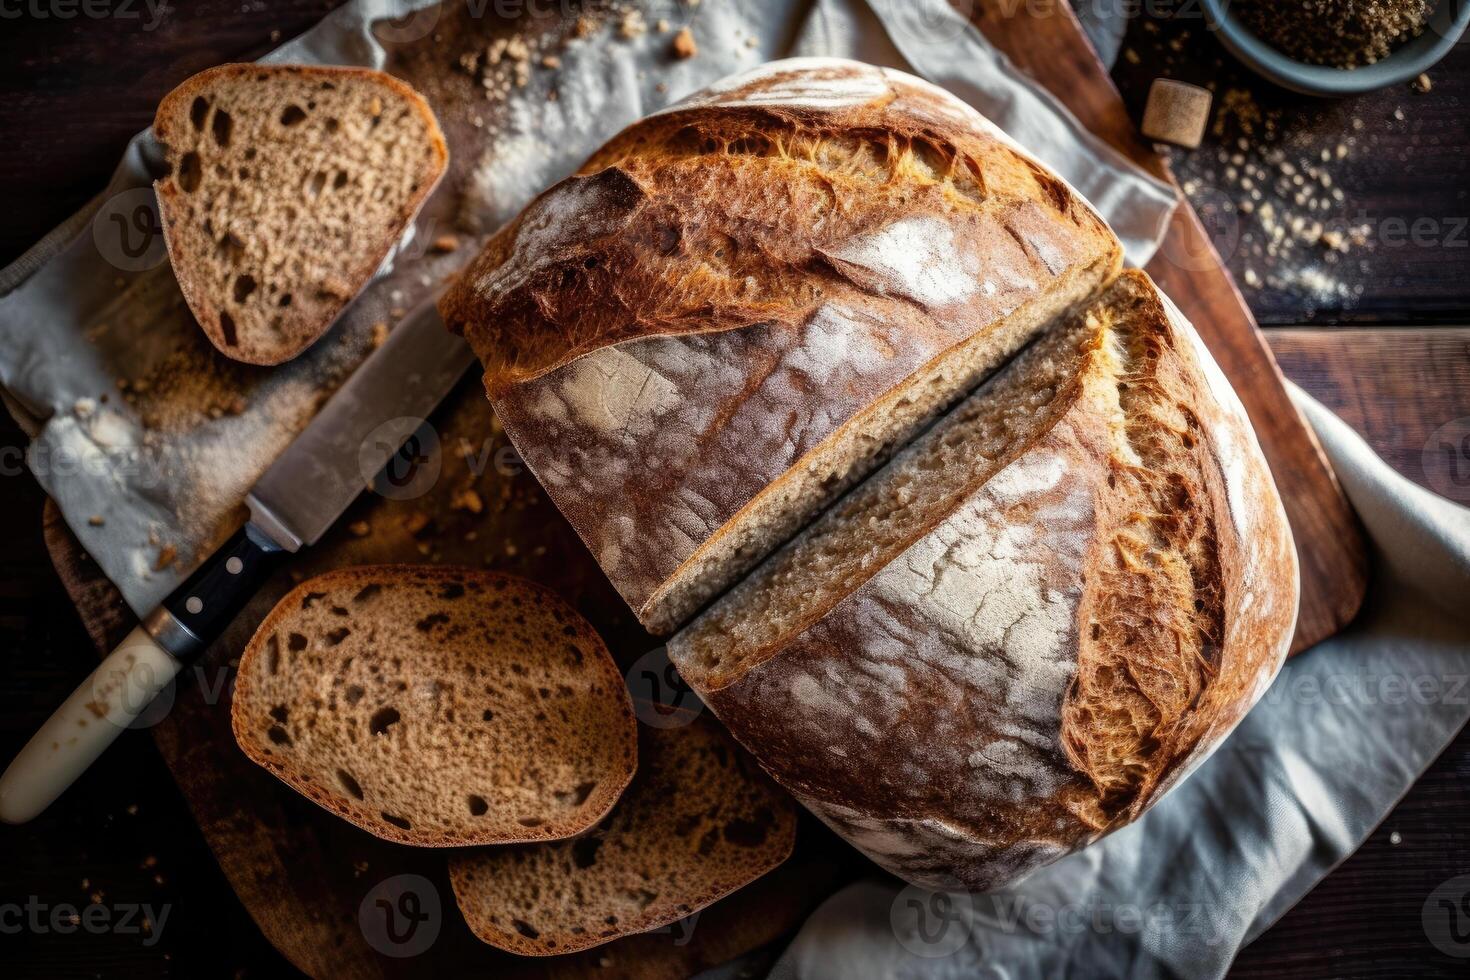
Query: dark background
[{"x": 1393, "y": 359}]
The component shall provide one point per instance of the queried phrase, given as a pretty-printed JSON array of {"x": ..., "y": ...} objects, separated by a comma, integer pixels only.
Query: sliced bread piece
[
  {"x": 740, "y": 305},
  {"x": 437, "y": 706},
  {"x": 288, "y": 187},
  {"x": 700, "y": 821},
  {"x": 1040, "y": 616}
]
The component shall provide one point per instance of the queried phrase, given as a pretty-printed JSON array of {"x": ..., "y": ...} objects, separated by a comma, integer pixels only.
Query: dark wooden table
[{"x": 1378, "y": 333}]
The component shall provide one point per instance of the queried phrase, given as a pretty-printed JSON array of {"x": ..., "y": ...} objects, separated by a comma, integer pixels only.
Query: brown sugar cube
[{"x": 1177, "y": 112}]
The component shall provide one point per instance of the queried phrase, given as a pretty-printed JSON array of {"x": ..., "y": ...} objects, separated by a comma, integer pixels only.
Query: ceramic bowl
[{"x": 1446, "y": 26}]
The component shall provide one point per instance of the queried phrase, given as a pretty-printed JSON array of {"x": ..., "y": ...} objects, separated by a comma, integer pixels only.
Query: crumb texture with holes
[
  {"x": 1038, "y": 617},
  {"x": 437, "y": 706},
  {"x": 288, "y": 187},
  {"x": 739, "y": 306},
  {"x": 700, "y": 821}
]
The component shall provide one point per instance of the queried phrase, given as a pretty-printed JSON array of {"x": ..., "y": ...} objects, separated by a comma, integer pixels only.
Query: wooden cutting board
[
  {"x": 303, "y": 874},
  {"x": 1046, "y": 41}
]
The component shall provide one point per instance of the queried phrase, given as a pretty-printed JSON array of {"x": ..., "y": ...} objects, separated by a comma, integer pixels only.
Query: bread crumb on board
[
  {"x": 505, "y": 64},
  {"x": 206, "y": 425},
  {"x": 684, "y": 45},
  {"x": 467, "y": 500},
  {"x": 166, "y": 556},
  {"x": 1291, "y": 226},
  {"x": 202, "y": 423},
  {"x": 632, "y": 25}
]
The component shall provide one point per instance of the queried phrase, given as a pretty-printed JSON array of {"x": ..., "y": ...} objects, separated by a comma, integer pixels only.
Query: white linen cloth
[
  {"x": 1339, "y": 738},
  {"x": 63, "y": 294},
  {"x": 1310, "y": 771}
]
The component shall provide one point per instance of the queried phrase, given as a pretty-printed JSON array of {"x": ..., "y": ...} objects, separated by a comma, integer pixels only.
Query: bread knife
[{"x": 370, "y": 421}]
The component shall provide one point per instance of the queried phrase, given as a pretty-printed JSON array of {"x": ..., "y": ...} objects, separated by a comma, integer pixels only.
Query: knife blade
[
  {"x": 368, "y": 422},
  {"x": 358, "y": 431}
]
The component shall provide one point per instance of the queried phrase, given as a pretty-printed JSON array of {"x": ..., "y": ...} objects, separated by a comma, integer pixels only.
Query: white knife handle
[{"x": 88, "y": 722}]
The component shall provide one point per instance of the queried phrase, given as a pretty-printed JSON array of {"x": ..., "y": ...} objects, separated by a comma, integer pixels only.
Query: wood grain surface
[
  {"x": 1397, "y": 171},
  {"x": 290, "y": 862},
  {"x": 1046, "y": 41},
  {"x": 69, "y": 116},
  {"x": 302, "y": 872},
  {"x": 1404, "y": 389}
]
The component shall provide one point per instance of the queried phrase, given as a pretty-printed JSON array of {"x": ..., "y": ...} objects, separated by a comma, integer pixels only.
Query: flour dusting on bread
[
  {"x": 810, "y": 83},
  {"x": 1044, "y": 591},
  {"x": 818, "y": 257},
  {"x": 615, "y": 393},
  {"x": 915, "y": 258}
]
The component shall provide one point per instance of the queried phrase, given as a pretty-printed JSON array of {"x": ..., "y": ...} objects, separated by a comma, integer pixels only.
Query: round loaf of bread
[
  {"x": 741, "y": 304},
  {"x": 1028, "y": 626}
]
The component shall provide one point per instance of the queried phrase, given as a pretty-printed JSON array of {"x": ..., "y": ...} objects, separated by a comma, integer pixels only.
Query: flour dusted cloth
[
  {"x": 150, "y": 475},
  {"x": 1339, "y": 738},
  {"x": 1311, "y": 770}
]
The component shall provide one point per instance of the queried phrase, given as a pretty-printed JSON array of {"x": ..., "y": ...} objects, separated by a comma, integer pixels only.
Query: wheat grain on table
[{"x": 127, "y": 836}]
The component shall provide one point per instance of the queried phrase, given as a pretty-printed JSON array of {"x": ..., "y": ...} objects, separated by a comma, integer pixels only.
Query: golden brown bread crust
[
  {"x": 299, "y": 327},
  {"x": 1069, "y": 641},
  {"x": 731, "y": 213},
  {"x": 778, "y": 261}
]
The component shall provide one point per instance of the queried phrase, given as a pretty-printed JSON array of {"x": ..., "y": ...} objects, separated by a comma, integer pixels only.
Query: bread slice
[
  {"x": 699, "y": 822},
  {"x": 437, "y": 706},
  {"x": 1032, "y": 622},
  {"x": 288, "y": 187},
  {"x": 741, "y": 305}
]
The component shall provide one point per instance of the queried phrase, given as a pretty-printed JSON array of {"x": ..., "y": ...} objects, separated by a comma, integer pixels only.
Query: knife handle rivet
[
  {"x": 194, "y": 604},
  {"x": 234, "y": 565}
]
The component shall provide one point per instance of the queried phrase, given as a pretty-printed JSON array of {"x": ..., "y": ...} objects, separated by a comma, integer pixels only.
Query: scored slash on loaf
[
  {"x": 1037, "y": 618},
  {"x": 740, "y": 305},
  {"x": 1043, "y": 612}
]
